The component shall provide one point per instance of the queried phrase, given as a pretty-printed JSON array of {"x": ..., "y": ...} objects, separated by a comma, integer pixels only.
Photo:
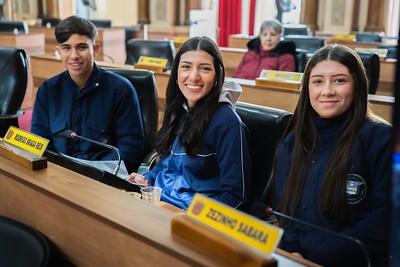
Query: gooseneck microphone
[
  {"x": 269, "y": 211},
  {"x": 71, "y": 134}
]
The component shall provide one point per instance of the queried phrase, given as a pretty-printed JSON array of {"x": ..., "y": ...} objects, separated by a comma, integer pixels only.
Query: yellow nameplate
[
  {"x": 382, "y": 52},
  {"x": 26, "y": 141},
  {"x": 281, "y": 75},
  {"x": 180, "y": 39},
  {"x": 345, "y": 37},
  {"x": 242, "y": 227},
  {"x": 153, "y": 61}
]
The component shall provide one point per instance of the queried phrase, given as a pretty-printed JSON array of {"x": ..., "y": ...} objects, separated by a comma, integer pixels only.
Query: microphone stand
[
  {"x": 115, "y": 172},
  {"x": 72, "y": 135},
  {"x": 269, "y": 211}
]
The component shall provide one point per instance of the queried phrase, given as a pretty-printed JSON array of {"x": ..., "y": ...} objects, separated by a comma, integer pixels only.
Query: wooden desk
[
  {"x": 287, "y": 99},
  {"x": 46, "y": 66},
  {"x": 93, "y": 224},
  {"x": 233, "y": 56},
  {"x": 353, "y": 45},
  {"x": 239, "y": 40},
  {"x": 33, "y": 43},
  {"x": 97, "y": 225},
  {"x": 112, "y": 43},
  {"x": 276, "y": 97}
]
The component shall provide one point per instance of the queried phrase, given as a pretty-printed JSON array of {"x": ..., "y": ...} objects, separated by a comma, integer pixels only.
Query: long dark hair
[
  {"x": 333, "y": 193},
  {"x": 190, "y": 126}
]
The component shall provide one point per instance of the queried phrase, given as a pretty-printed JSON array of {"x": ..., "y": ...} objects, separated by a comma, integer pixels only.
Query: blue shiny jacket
[{"x": 222, "y": 170}]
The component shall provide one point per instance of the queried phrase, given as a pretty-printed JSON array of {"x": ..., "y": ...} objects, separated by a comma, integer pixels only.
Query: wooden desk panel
[
  {"x": 44, "y": 67},
  {"x": 239, "y": 40},
  {"x": 287, "y": 98},
  {"x": 50, "y": 40},
  {"x": 33, "y": 43},
  {"x": 97, "y": 225},
  {"x": 353, "y": 45},
  {"x": 112, "y": 42},
  {"x": 94, "y": 224},
  {"x": 233, "y": 56}
]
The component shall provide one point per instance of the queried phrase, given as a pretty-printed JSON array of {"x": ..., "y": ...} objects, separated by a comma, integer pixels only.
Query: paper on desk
[{"x": 105, "y": 165}]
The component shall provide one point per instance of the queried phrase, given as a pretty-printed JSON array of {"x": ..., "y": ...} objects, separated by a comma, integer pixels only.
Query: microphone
[
  {"x": 269, "y": 211},
  {"x": 71, "y": 134}
]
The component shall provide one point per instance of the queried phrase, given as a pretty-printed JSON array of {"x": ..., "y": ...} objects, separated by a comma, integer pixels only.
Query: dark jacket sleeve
[
  {"x": 291, "y": 239},
  {"x": 129, "y": 127},
  {"x": 235, "y": 168},
  {"x": 40, "y": 116}
]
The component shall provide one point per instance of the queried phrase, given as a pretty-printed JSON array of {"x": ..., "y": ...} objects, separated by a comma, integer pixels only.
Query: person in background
[
  {"x": 93, "y": 102},
  {"x": 202, "y": 143},
  {"x": 333, "y": 165},
  {"x": 283, "y": 6},
  {"x": 267, "y": 51}
]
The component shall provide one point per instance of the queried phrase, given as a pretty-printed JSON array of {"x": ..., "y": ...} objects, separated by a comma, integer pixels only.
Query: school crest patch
[{"x": 356, "y": 188}]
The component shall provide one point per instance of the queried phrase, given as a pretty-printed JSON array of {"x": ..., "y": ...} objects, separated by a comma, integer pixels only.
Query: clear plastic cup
[{"x": 151, "y": 194}]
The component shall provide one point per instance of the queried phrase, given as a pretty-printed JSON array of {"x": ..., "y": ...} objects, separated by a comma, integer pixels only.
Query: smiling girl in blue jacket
[{"x": 202, "y": 143}]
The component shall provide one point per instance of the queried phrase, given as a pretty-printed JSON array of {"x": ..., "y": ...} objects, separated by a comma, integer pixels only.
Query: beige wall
[
  {"x": 324, "y": 6},
  {"x": 125, "y": 13},
  {"x": 121, "y": 12}
]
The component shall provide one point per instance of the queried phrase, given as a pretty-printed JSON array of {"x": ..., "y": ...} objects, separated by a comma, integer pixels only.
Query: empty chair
[
  {"x": 301, "y": 59},
  {"x": 266, "y": 126},
  {"x": 150, "y": 48},
  {"x": 50, "y": 22},
  {"x": 372, "y": 66},
  {"x": 308, "y": 43},
  {"x": 146, "y": 87},
  {"x": 22, "y": 245},
  {"x": 14, "y": 79},
  {"x": 368, "y": 37},
  {"x": 101, "y": 23},
  {"x": 392, "y": 50},
  {"x": 296, "y": 29},
  {"x": 13, "y": 26}
]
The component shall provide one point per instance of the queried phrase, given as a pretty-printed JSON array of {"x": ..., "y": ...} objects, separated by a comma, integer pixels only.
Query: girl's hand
[{"x": 137, "y": 178}]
